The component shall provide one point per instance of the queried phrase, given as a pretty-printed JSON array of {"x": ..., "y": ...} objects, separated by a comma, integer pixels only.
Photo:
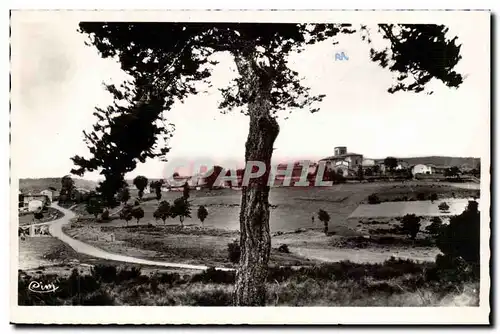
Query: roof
[{"x": 335, "y": 157}]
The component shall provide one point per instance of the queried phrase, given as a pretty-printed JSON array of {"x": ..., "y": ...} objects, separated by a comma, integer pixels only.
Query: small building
[
  {"x": 37, "y": 197},
  {"x": 343, "y": 158},
  {"x": 368, "y": 163},
  {"x": 47, "y": 193},
  {"x": 421, "y": 169}
]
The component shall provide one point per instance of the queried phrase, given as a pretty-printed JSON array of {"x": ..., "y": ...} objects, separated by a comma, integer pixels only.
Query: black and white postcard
[{"x": 250, "y": 167}]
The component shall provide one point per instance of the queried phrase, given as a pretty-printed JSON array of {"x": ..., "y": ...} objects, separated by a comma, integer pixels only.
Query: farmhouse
[
  {"x": 30, "y": 197},
  {"x": 421, "y": 169},
  {"x": 348, "y": 162},
  {"x": 48, "y": 193}
]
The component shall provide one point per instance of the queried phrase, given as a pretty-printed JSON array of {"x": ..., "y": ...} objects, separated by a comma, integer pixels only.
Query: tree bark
[{"x": 255, "y": 239}]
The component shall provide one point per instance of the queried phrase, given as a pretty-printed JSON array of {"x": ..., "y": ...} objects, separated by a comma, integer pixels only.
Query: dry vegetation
[{"x": 393, "y": 283}]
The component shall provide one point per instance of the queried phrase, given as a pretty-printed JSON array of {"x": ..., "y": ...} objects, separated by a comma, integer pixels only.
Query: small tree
[
  {"x": 435, "y": 227},
  {"x": 137, "y": 213},
  {"x": 181, "y": 209},
  {"x": 234, "y": 251},
  {"x": 156, "y": 186},
  {"x": 185, "y": 191},
  {"x": 434, "y": 197},
  {"x": 94, "y": 207},
  {"x": 360, "y": 173},
  {"x": 444, "y": 207},
  {"x": 391, "y": 163},
  {"x": 202, "y": 213},
  {"x": 163, "y": 211},
  {"x": 123, "y": 195},
  {"x": 141, "y": 182},
  {"x": 411, "y": 225},
  {"x": 325, "y": 218},
  {"x": 373, "y": 199},
  {"x": 461, "y": 238},
  {"x": 126, "y": 213}
]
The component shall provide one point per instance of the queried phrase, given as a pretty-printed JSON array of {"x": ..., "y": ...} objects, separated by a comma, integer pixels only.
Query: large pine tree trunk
[{"x": 255, "y": 240}]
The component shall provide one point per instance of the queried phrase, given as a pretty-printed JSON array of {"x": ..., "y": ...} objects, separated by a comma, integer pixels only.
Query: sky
[{"x": 57, "y": 82}]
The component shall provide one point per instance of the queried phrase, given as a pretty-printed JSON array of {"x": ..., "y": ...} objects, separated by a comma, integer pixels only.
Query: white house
[
  {"x": 421, "y": 169},
  {"x": 47, "y": 193}
]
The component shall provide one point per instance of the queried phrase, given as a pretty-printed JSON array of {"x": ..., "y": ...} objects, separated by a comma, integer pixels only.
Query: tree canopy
[{"x": 169, "y": 61}]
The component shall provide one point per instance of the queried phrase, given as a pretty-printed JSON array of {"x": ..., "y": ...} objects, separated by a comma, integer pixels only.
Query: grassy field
[
  {"x": 293, "y": 207},
  {"x": 51, "y": 214},
  {"x": 193, "y": 245},
  {"x": 37, "y": 185},
  {"x": 291, "y": 224},
  {"x": 393, "y": 283}
]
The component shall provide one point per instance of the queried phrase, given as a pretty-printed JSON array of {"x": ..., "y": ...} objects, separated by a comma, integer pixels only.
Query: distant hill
[
  {"x": 461, "y": 162},
  {"x": 37, "y": 185}
]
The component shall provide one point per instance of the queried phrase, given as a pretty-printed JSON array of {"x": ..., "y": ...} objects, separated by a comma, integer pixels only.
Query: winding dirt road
[{"x": 55, "y": 229}]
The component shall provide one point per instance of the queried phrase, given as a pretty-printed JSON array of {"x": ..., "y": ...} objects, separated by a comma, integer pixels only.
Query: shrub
[
  {"x": 105, "y": 215},
  {"x": 460, "y": 239},
  {"x": 373, "y": 199},
  {"x": 234, "y": 251},
  {"x": 421, "y": 197},
  {"x": 283, "y": 248},
  {"x": 104, "y": 273},
  {"x": 435, "y": 227},
  {"x": 434, "y": 197},
  {"x": 211, "y": 275},
  {"x": 443, "y": 207},
  {"x": 128, "y": 274},
  {"x": 324, "y": 217},
  {"x": 411, "y": 225}
]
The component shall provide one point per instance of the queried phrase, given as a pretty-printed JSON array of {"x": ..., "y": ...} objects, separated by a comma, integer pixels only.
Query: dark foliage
[
  {"x": 460, "y": 239},
  {"x": 202, "y": 213},
  {"x": 234, "y": 251},
  {"x": 443, "y": 206},
  {"x": 181, "y": 209},
  {"x": 324, "y": 217},
  {"x": 373, "y": 199},
  {"x": 123, "y": 195},
  {"x": 94, "y": 206},
  {"x": 141, "y": 182},
  {"x": 391, "y": 163},
  {"x": 411, "y": 225},
  {"x": 283, "y": 248},
  {"x": 163, "y": 211},
  {"x": 211, "y": 275}
]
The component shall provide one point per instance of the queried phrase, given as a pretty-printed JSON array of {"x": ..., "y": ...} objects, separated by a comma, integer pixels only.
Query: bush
[
  {"x": 104, "y": 273},
  {"x": 434, "y": 197},
  {"x": 460, "y": 239},
  {"x": 435, "y": 227},
  {"x": 234, "y": 251},
  {"x": 421, "y": 197},
  {"x": 105, "y": 215},
  {"x": 211, "y": 275},
  {"x": 373, "y": 199},
  {"x": 283, "y": 249},
  {"x": 443, "y": 207},
  {"x": 411, "y": 225},
  {"x": 128, "y": 274}
]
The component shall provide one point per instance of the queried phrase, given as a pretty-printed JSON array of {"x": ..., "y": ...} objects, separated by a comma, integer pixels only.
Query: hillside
[
  {"x": 461, "y": 162},
  {"x": 36, "y": 185},
  {"x": 444, "y": 161}
]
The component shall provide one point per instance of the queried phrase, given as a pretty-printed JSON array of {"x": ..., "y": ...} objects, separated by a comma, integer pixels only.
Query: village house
[
  {"x": 27, "y": 198},
  {"x": 343, "y": 160},
  {"x": 49, "y": 193},
  {"x": 421, "y": 169}
]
